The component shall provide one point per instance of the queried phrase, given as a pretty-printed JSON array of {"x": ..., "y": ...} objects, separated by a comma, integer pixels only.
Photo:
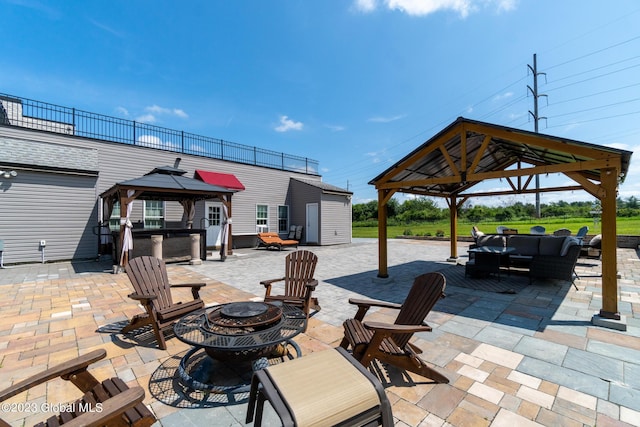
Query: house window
[
  {"x": 114, "y": 221},
  {"x": 153, "y": 214},
  {"x": 213, "y": 216},
  {"x": 262, "y": 218},
  {"x": 283, "y": 219}
]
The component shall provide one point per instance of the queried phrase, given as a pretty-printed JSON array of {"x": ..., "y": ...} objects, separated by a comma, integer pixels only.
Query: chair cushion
[
  {"x": 491, "y": 240},
  {"x": 524, "y": 245},
  {"x": 551, "y": 245},
  {"x": 596, "y": 241},
  {"x": 568, "y": 242},
  {"x": 323, "y": 388}
]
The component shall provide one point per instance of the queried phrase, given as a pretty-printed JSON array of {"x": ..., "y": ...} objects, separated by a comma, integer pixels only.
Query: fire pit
[{"x": 237, "y": 333}]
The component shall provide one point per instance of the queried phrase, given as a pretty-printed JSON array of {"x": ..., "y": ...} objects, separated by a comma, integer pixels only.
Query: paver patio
[{"x": 516, "y": 354}]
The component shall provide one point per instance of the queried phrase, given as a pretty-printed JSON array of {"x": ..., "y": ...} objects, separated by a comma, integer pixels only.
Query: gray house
[{"x": 55, "y": 162}]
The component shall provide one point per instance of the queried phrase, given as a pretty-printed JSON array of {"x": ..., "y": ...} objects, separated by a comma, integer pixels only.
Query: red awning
[{"x": 226, "y": 180}]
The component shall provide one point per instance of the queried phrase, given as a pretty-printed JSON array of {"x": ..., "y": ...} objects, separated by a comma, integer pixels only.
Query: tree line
[{"x": 423, "y": 209}]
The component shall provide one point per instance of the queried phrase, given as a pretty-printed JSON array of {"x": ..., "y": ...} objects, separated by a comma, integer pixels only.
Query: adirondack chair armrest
[
  {"x": 144, "y": 299},
  {"x": 73, "y": 370},
  {"x": 391, "y": 327},
  {"x": 373, "y": 303},
  {"x": 311, "y": 285},
  {"x": 111, "y": 410},
  {"x": 365, "y": 304},
  {"x": 195, "y": 288},
  {"x": 271, "y": 281},
  {"x": 188, "y": 285},
  {"x": 267, "y": 285}
]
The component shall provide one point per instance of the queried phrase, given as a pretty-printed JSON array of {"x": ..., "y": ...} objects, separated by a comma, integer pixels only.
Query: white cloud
[
  {"x": 156, "y": 109},
  {"x": 386, "y": 119},
  {"x": 180, "y": 113},
  {"x": 155, "y": 142},
  {"x": 427, "y": 7},
  {"x": 122, "y": 111},
  {"x": 146, "y": 118},
  {"x": 365, "y": 5},
  {"x": 503, "y": 96},
  {"x": 336, "y": 128},
  {"x": 286, "y": 124}
]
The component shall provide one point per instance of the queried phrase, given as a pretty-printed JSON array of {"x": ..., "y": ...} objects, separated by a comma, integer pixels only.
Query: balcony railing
[{"x": 27, "y": 113}]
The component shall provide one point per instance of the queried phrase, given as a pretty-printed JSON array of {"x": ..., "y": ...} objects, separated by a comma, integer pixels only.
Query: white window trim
[
  {"x": 288, "y": 220},
  {"x": 259, "y": 227},
  {"x": 144, "y": 212}
]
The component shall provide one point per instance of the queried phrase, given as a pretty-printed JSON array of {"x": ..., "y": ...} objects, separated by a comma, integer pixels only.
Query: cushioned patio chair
[
  {"x": 148, "y": 275},
  {"x": 300, "y": 266},
  {"x": 537, "y": 229},
  {"x": 562, "y": 232},
  {"x": 273, "y": 240},
  {"x": 324, "y": 388},
  {"x": 581, "y": 233},
  {"x": 389, "y": 343},
  {"x": 119, "y": 404}
]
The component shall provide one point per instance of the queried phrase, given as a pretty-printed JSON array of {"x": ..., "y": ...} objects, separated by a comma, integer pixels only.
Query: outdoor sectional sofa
[{"x": 546, "y": 257}]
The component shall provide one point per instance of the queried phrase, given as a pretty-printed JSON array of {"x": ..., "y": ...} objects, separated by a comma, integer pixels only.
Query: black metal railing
[{"x": 27, "y": 113}]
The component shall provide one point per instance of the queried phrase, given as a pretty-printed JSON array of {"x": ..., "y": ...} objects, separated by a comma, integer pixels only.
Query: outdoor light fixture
[{"x": 8, "y": 174}]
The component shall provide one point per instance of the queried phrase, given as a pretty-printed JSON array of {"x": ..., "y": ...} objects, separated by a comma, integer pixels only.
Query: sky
[{"x": 353, "y": 84}]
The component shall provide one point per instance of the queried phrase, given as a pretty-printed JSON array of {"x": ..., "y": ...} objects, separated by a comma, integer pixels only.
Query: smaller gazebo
[{"x": 166, "y": 183}]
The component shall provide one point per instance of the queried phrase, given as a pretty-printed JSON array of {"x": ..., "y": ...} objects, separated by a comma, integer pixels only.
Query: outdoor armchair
[{"x": 389, "y": 343}]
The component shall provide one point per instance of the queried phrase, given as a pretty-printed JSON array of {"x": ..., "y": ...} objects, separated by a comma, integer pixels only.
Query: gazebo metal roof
[{"x": 467, "y": 152}]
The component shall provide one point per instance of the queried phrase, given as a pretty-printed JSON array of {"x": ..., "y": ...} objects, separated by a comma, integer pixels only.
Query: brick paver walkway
[{"x": 525, "y": 359}]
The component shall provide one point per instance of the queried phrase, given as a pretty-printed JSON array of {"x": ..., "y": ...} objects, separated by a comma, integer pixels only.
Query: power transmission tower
[{"x": 536, "y": 118}]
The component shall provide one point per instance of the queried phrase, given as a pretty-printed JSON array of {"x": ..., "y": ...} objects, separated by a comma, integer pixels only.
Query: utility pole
[{"x": 536, "y": 118}]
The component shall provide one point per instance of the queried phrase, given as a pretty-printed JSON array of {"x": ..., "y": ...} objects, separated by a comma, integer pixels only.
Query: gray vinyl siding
[
  {"x": 300, "y": 195},
  {"x": 118, "y": 163},
  {"x": 336, "y": 227},
  {"x": 60, "y": 209}
]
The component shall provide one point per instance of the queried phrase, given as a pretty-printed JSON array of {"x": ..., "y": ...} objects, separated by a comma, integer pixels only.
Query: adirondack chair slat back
[
  {"x": 148, "y": 276},
  {"x": 425, "y": 292},
  {"x": 300, "y": 267}
]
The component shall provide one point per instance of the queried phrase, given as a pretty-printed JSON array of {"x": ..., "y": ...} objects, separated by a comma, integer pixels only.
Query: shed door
[
  {"x": 214, "y": 221},
  {"x": 312, "y": 223}
]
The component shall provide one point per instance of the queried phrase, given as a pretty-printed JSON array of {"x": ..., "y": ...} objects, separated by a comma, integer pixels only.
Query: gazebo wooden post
[
  {"x": 383, "y": 198},
  {"x": 123, "y": 213},
  {"x": 609, "y": 182},
  {"x": 227, "y": 201},
  {"x": 453, "y": 227}
]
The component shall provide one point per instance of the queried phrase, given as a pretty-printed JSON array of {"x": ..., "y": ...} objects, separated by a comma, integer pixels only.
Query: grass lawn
[{"x": 625, "y": 226}]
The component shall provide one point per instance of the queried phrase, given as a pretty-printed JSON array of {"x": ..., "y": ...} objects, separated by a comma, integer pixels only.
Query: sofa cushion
[
  {"x": 491, "y": 240},
  {"x": 524, "y": 245},
  {"x": 551, "y": 245},
  {"x": 596, "y": 241},
  {"x": 568, "y": 242}
]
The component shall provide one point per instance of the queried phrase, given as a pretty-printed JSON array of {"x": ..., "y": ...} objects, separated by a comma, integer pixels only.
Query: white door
[
  {"x": 213, "y": 211},
  {"x": 312, "y": 223}
]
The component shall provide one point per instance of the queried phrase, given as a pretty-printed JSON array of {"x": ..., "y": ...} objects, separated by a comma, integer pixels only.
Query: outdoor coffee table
[
  {"x": 488, "y": 258},
  {"x": 234, "y": 335}
]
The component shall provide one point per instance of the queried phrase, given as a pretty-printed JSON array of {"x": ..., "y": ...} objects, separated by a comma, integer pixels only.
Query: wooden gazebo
[
  {"x": 468, "y": 152},
  {"x": 165, "y": 183}
]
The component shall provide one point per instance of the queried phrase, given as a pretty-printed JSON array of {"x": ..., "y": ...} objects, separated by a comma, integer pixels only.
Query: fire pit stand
[{"x": 234, "y": 336}]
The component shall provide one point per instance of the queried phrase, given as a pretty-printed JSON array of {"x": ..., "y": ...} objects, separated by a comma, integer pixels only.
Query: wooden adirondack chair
[
  {"x": 120, "y": 405},
  {"x": 148, "y": 276},
  {"x": 299, "y": 283},
  {"x": 389, "y": 343}
]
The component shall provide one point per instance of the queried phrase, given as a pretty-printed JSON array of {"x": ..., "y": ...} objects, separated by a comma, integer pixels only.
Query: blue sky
[{"x": 354, "y": 84}]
